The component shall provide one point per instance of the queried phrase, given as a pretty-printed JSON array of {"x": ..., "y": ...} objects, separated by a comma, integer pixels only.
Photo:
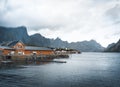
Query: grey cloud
[
  {"x": 79, "y": 17},
  {"x": 114, "y": 14},
  {"x": 116, "y": 34}
]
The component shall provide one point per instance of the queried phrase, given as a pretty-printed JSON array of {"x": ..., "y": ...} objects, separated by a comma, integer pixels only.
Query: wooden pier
[{"x": 30, "y": 59}]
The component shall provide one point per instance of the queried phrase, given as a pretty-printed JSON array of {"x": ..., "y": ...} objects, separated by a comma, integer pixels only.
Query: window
[
  {"x": 12, "y": 52},
  {"x": 34, "y": 52},
  {"x": 19, "y": 46},
  {"x": 20, "y": 53}
]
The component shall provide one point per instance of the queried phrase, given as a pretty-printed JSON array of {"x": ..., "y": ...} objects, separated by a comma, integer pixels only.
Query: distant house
[{"x": 19, "y": 48}]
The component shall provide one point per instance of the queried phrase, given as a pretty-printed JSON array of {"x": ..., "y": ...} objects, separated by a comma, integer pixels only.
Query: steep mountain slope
[
  {"x": 114, "y": 47},
  {"x": 87, "y": 46},
  {"x": 11, "y": 34},
  {"x": 58, "y": 43},
  {"x": 39, "y": 40},
  {"x": 84, "y": 46},
  {"x": 20, "y": 33}
]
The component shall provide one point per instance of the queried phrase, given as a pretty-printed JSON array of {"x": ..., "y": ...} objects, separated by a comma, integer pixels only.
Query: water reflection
[{"x": 83, "y": 70}]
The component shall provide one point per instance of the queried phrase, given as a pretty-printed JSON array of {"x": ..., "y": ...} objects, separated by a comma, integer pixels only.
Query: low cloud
[
  {"x": 81, "y": 19},
  {"x": 114, "y": 14}
]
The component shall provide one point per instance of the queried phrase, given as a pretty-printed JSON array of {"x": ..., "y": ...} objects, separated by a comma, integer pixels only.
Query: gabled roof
[
  {"x": 13, "y": 43},
  {"x": 5, "y": 47},
  {"x": 5, "y": 43},
  {"x": 10, "y": 43},
  {"x": 36, "y": 48}
]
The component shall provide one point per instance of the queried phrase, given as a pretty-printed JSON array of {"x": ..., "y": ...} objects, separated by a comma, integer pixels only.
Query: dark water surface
[{"x": 81, "y": 70}]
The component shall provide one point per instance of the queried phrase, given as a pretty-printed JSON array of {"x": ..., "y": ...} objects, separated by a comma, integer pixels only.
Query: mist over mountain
[
  {"x": 20, "y": 33},
  {"x": 114, "y": 47}
]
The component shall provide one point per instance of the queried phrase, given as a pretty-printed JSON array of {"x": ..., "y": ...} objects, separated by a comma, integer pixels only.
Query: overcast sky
[{"x": 71, "y": 20}]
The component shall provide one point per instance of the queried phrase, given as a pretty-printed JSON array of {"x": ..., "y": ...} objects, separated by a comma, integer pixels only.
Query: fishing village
[{"x": 16, "y": 52}]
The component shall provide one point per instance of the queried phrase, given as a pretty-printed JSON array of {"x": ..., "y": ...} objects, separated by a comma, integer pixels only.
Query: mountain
[
  {"x": 58, "y": 43},
  {"x": 84, "y": 46},
  {"x": 39, "y": 40},
  {"x": 87, "y": 46},
  {"x": 20, "y": 33},
  {"x": 114, "y": 47},
  {"x": 11, "y": 34}
]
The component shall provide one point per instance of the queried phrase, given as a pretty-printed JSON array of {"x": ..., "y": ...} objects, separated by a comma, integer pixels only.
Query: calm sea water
[{"x": 81, "y": 70}]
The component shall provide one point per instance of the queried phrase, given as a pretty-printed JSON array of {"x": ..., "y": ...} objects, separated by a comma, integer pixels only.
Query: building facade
[{"x": 19, "y": 48}]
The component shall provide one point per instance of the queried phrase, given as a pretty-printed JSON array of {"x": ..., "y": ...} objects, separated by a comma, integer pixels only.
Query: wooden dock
[{"x": 31, "y": 59}]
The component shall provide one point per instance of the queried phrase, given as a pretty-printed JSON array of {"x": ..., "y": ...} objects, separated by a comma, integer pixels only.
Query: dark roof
[
  {"x": 13, "y": 43},
  {"x": 10, "y": 43},
  {"x": 5, "y": 43},
  {"x": 5, "y": 47},
  {"x": 36, "y": 48},
  {"x": 28, "y": 48}
]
